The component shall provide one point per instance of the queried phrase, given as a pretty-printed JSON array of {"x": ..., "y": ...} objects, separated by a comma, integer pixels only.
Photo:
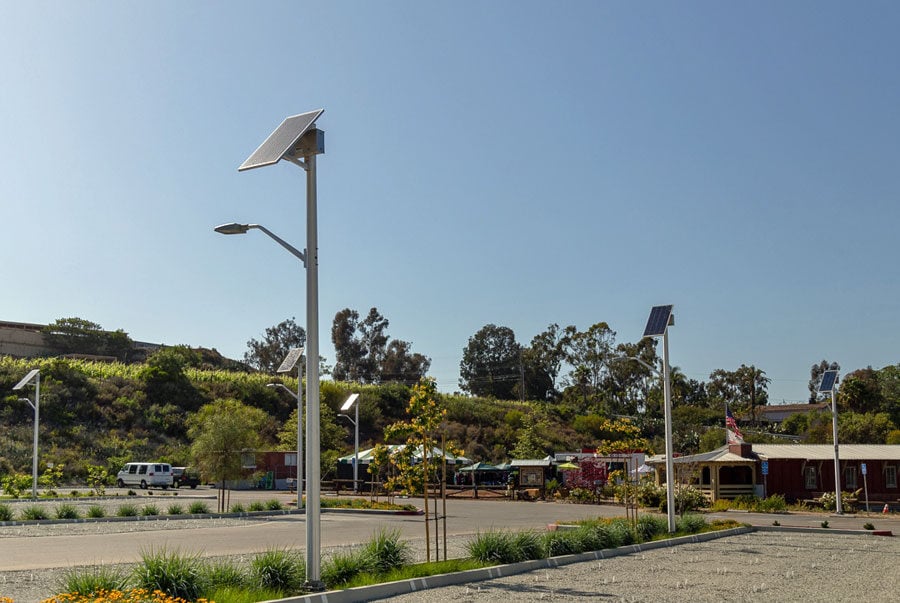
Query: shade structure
[
  {"x": 480, "y": 467},
  {"x": 366, "y": 456},
  {"x": 568, "y": 466}
]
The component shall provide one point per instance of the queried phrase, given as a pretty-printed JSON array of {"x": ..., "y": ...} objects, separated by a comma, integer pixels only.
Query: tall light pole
[
  {"x": 661, "y": 318},
  {"x": 287, "y": 365},
  {"x": 35, "y": 377},
  {"x": 828, "y": 385},
  {"x": 346, "y": 406},
  {"x": 298, "y": 141}
]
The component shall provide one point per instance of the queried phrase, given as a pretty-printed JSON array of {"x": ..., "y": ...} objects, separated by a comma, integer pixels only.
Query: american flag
[{"x": 731, "y": 424}]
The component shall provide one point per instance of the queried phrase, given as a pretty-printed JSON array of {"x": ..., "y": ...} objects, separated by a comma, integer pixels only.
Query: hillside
[{"x": 105, "y": 414}]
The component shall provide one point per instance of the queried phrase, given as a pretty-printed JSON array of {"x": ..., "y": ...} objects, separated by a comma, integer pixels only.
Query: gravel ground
[{"x": 755, "y": 567}]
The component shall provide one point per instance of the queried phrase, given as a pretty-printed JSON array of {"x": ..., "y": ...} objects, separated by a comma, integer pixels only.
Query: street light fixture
[
  {"x": 658, "y": 323},
  {"x": 298, "y": 141},
  {"x": 33, "y": 376},
  {"x": 347, "y": 404},
  {"x": 828, "y": 385}
]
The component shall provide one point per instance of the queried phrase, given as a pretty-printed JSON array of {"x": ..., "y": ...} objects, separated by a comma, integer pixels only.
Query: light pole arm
[
  {"x": 285, "y": 388},
  {"x": 296, "y": 252},
  {"x": 348, "y": 418}
]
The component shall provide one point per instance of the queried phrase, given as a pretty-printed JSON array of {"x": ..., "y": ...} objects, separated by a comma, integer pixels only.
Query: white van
[{"x": 145, "y": 475}]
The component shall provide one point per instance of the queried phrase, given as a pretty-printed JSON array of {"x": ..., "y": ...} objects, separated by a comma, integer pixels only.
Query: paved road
[{"x": 289, "y": 531}]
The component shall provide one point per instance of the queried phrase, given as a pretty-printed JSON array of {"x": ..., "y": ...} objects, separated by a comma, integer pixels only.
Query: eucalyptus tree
[{"x": 267, "y": 354}]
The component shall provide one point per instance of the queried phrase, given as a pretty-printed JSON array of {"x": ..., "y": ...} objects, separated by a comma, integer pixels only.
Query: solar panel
[
  {"x": 348, "y": 404},
  {"x": 658, "y": 321},
  {"x": 828, "y": 380},
  {"x": 25, "y": 381},
  {"x": 281, "y": 140},
  {"x": 290, "y": 361}
]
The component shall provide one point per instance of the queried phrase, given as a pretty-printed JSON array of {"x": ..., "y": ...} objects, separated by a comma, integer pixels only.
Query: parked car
[
  {"x": 185, "y": 476},
  {"x": 145, "y": 475}
]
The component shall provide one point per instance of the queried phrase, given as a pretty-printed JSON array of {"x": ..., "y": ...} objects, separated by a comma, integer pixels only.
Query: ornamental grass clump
[
  {"x": 649, "y": 527},
  {"x": 150, "y": 511},
  {"x": 385, "y": 551},
  {"x": 172, "y": 573},
  {"x": 96, "y": 512},
  {"x": 198, "y": 508},
  {"x": 493, "y": 547},
  {"x": 175, "y": 509},
  {"x": 257, "y": 505},
  {"x": 690, "y": 524},
  {"x": 239, "y": 508},
  {"x": 279, "y": 570},
  {"x": 342, "y": 567},
  {"x": 93, "y": 581},
  {"x": 274, "y": 505},
  {"x": 565, "y": 542},
  {"x": 127, "y": 510},
  {"x": 34, "y": 513},
  {"x": 6, "y": 513},
  {"x": 67, "y": 512},
  {"x": 223, "y": 574}
]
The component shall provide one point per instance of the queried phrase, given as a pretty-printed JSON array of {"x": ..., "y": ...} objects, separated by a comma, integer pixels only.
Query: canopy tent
[
  {"x": 365, "y": 456},
  {"x": 479, "y": 466},
  {"x": 568, "y": 466}
]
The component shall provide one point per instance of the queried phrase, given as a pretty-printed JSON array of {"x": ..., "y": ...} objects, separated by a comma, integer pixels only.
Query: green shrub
[
  {"x": 385, "y": 551},
  {"x": 175, "y": 509},
  {"x": 868, "y": 526},
  {"x": 172, "y": 573},
  {"x": 150, "y": 511},
  {"x": 96, "y": 511},
  {"x": 90, "y": 581},
  {"x": 238, "y": 508},
  {"x": 772, "y": 504},
  {"x": 127, "y": 510},
  {"x": 650, "y": 495},
  {"x": 67, "y": 512},
  {"x": 198, "y": 508},
  {"x": 690, "y": 524},
  {"x": 279, "y": 570},
  {"x": 74, "y": 493},
  {"x": 581, "y": 495},
  {"x": 257, "y": 505},
  {"x": 16, "y": 483},
  {"x": 274, "y": 505},
  {"x": 6, "y": 513},
  {"x": 34, "y": 513},
  {"x": 621, "y": 533},
  {"x": 721, "y": 505}
]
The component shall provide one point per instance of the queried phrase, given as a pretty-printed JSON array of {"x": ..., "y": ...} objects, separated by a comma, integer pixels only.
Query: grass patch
[
  {"x": 418, "y": 570},
  {"x": 364, "y": 503},
  {"x": 235, "y": 594}
]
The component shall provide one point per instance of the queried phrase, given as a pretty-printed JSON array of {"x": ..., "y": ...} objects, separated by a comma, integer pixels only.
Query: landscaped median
[{"x": 379, "y": 568}]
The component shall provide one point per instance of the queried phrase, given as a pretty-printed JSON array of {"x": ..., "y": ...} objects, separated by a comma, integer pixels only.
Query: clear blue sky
[{"x": 517, "y": 163}]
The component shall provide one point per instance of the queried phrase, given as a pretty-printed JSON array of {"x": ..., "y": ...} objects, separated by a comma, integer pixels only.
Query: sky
[{"x": 517, "y": 163}]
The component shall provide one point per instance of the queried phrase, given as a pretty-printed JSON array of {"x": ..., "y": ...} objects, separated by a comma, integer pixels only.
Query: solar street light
[
  {"x": 33, "y": 377},
  {"x": 347, "y": 404},
  {"x": 658, "y": 323},
  {"x": 298, "y": 141},
  {"x": 287, "y": 365},
  {"x": 828, "y": 385}
]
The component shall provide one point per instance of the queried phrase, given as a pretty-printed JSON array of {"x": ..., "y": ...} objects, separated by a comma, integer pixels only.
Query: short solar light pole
[
  {"x": 298, "y": 141},
  {"x": 828, "y": 385},
  {"x": 33, "y": 377},
  {"x": 661, "y": 318},
  {"x": 347, "y": 404},
  {"x": 287, "y": 365}
]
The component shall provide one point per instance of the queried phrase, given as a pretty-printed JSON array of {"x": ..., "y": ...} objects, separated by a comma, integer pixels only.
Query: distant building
[{"x": 776, "y": 413}]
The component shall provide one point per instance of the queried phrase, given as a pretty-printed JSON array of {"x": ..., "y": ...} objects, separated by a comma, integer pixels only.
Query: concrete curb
[{"x": 402, "y": 587}]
